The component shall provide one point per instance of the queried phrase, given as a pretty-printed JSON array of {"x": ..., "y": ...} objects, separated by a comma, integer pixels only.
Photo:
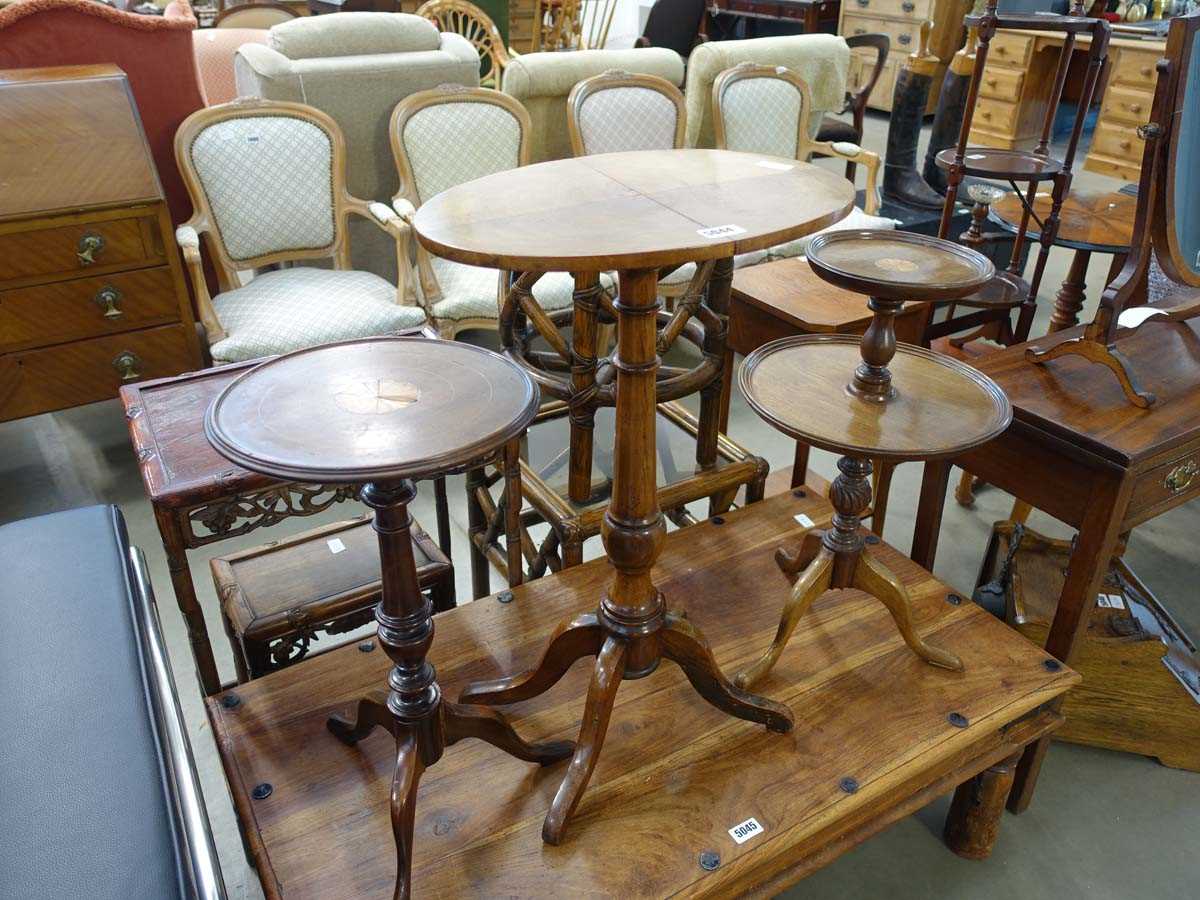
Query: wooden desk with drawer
[
  {"x": 91, "y": 288},
  {"x": 1016, "y": 87}
]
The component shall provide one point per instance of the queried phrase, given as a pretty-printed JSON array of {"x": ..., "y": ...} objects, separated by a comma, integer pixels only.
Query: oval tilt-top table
[
  {"x": 867, "y": 399},
  {"x": 634, "y": 212},
  {"x": 382, "y": 412}
]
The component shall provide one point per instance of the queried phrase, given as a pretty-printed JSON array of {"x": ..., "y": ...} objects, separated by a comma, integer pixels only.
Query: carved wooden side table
[
  {"x": 634, "y": 212},
  {"x": 936, "y": 407},
  {"x": 391, "y": 410}
]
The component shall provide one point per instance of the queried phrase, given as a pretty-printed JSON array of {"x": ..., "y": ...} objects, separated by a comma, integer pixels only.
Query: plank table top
[
  {"x": 631, "y": 210},
  {"x": 866, "y": 709}
]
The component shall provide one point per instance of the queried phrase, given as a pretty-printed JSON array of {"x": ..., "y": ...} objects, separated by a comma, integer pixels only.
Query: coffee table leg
[
  {"x": 930, "y": 506},
  {"x": 185, "y": 596},
  {"x": 973, "y": 822},
  {"x": 476, "y": 528}
]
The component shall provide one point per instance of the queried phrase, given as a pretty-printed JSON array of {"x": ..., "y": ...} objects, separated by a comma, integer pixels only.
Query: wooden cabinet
[
  {"x": 91, "y": 288},
  {"x": 1016, "y": 85},
  {"x": 901, "y": 21}
]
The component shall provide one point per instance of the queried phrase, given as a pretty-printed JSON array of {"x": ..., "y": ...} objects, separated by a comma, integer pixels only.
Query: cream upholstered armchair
[
  {"x": 268, "y": 185},
  {"x": 442, "y": 138},
  {"x": 767, "y": 109},
  {"x": 617, "y": 111},
  {"x": 356, "y": 67},
  {"x": 543, "y": 82}
]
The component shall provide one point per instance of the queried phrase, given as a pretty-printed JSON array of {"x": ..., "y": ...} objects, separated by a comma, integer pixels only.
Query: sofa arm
[{"x": 195, "y": 834}]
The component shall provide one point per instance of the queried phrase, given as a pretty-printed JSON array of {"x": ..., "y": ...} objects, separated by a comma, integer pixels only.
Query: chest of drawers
[
  {"x": 91, "y": 291},
  {"x": 1015, "y": 90},
  {"x": 901, "y": 21}
]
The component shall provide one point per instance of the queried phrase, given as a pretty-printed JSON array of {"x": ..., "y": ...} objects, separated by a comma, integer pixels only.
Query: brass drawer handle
[
  {"x": 860, "y": 31},
  {"x": 89, "y": 246},
  {"x": 1125, "y": 145},
  {"x": 905, "y": 39},
  {"x": 908, "y": 6},
  {"x": 127, "y": 366},
  {"x": 107, "y": 299},
  {"x": 992, "y": 82},
  {"x": 1135, "y": 108},
  {"x": 863, "y": 3},
  {"x": 1180, "y": 478},
  {"x": 1147, "y": 71}
]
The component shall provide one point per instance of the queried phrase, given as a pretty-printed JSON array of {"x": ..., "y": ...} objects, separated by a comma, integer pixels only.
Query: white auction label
[
  {"x": 1110, "y": 601},
  {"x": 803, "y": 520},
  {"x": 743, "y": 831},
  {"x": 336, "y": 545},
  {"x": 720, "y": 231}
]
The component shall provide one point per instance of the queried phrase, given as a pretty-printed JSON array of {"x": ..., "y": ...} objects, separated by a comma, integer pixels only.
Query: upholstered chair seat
[
  {"x": 268, "y": 183},
  {"x": 291, "y": 309},
  {"x": 767, "y": 110}
]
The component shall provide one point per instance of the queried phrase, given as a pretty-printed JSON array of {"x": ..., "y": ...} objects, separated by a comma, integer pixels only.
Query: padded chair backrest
[
  {"x": 254, "y": 15},
  {"x": 759, "y": 109},
  {"x": 543, "y": 81},
  {"x": 487, "y": 131},
  {"x": 675, "y": 24},
  {"x": 155, "y": 52},
  {"x": 617, "y": 111},
  {"x": 269, "y": 177},
  {"x": 356, "y": 67},
  {"x": 821, "y": 60}
]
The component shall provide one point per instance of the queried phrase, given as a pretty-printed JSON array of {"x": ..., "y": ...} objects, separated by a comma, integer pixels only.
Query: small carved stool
[
  {"x": 389, "y": 410},
  {"x": 937, "y": 407},
  {"x": 277, "y": 597}
]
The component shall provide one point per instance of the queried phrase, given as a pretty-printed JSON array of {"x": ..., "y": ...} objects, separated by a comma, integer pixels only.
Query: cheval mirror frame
[{"x": 1167, "y": 222}]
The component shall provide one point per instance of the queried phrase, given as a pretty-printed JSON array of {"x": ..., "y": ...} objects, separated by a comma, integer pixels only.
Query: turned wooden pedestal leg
[
  {"x": 631, "y": 631},
  {"x": 422, "y": 724},
  {"x": 839, "y": 558},
  {"x": 973, "y": 822}
]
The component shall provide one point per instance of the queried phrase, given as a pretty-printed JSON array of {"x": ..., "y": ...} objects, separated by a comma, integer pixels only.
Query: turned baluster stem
[{"x": 872, "y": 379}]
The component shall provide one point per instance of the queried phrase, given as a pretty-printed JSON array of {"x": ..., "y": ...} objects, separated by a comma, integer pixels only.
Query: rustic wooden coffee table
[
  {"x": 879, "y": 734},
  {"x": 634, "y": 212}
]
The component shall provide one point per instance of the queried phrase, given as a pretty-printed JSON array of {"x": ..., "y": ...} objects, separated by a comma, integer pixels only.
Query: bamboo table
[
  {"x": 381, "y": 412},
  {"x": 634, "y": 212}
]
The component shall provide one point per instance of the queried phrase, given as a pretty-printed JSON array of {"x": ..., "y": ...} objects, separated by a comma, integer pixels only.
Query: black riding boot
[{"x": 902, "y": 183}]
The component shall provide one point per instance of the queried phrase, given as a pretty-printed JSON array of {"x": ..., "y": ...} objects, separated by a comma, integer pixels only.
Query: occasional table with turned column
[
  {"x": 634, "y": 212},
  {"x": 871, "y": 399},
  {"x": 383, "y": 412}
]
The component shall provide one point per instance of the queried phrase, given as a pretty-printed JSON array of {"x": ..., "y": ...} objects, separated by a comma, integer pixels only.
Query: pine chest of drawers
[{"x": 91, "y": 288}]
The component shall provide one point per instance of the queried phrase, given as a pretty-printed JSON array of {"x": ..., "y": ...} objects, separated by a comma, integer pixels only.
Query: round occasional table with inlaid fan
[
  {"x": 635, "y": 212},
  {"x": 382, "y": 412},
  {"x": 871, "y": 398}
]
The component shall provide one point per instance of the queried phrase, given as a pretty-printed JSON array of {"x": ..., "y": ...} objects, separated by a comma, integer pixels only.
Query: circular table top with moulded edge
[
  {"x": 1014, "y": 165},
  {"x": 377, "y": 409},
  {"x": 941, "y": 407},
  {"x": 634, "y": 210},
  {"x": 898, "y": 265},
  {"x": 1099, "y": 221}
]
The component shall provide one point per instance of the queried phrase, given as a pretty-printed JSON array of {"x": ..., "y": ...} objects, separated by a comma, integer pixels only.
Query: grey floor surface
[{"x": 1104, "y": 825}]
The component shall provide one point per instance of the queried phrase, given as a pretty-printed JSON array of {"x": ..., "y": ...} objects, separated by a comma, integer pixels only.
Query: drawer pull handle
[
  {"x": 1001, "y": 50},
  {"x": 985, "y": 114},
  {"x": 908, "y": 6},
  {"x": 107, "y": 299},
  {"x": 905, "y": 39},
  {"x": 991, "y": 82},
  {"x": 1125, "y": 145},
  {"x": 89, "y": 246},
  {"x": 860, "y": 31},
  {"x": 1147, "y": 71},
  {"x": 127, "y": 366},
  {"x": 1180, "y": 478},
  {"x": 863, "y": 3}
]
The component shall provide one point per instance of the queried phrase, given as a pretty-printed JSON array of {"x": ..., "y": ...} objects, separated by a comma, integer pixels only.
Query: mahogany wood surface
[
  {"x": 866, "y": 709},
  {"x": 1090, "y": 219},
  {"x": 87, "y": 149},
  {"x": 631, "y": 210},
  {"x": 941, "y": 407},
  {"x": 1079, "y": 452}
]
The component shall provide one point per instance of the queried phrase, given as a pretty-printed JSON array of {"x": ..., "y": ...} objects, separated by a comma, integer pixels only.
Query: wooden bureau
[
  {"x": 91, "y": 289},
  {"x": 901, "y": 21},
  {"x": 1017, "y": 82}
]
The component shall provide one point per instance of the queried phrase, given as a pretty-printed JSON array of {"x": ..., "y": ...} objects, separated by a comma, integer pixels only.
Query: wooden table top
[
  {"x": 71, "y": 139},
  {"x": 379, "y": 408},
  {"x": 866, "y": 708},
  {"x": 791, "y": 291},
  {"x": 1100, "y": 221},
  {"x": 899, "y": 265},
  {"x": 631, "y": 210},
  {"x": 942, "y": 407},
  {"x": 1083, "y": 404}
]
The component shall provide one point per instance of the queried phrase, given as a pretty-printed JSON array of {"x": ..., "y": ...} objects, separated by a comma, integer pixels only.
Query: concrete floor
[{"x": 1104, "y": 825}]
